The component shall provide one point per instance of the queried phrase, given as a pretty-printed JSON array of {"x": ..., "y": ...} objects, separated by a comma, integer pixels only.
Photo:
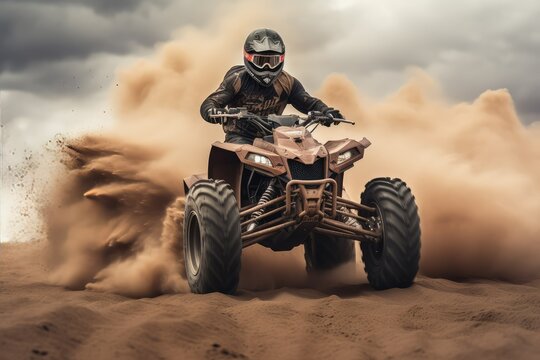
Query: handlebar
[{"x": 313, "y": 117}]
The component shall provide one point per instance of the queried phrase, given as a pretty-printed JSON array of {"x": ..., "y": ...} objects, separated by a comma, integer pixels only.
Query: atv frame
[{"x": 288, "y": 190}]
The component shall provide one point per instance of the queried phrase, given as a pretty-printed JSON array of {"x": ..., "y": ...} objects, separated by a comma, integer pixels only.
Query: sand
[{"x": 435, "y": 318}]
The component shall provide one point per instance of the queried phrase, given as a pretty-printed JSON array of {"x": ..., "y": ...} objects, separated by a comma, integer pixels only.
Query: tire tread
[
  {"x": 220, "y": 223},
  {"x": 398, "y": 264}
]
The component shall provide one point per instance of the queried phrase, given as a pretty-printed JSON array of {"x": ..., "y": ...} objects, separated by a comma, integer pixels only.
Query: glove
[
  {"x": 334, "y": 114},
  {"x": 217, "y": 111}
]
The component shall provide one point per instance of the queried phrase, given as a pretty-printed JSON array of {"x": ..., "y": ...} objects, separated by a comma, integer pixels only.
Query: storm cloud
[
  {"x": 467, "y": 46},
  {"x": 33, "y": 32},
  {"x": 59, "y": 48},
  {"x": 105, "y": 7}
]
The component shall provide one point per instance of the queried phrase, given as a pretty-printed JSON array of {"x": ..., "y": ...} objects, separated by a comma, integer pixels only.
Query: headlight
[
  {"x": 344, "y": 157},
  {"x": 259, "y": 159}
]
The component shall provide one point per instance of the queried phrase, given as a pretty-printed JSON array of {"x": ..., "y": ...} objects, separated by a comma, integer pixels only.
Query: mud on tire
[
  {"x": 324, "y": 253},
  {"x": 212, "y": 242},
  {"x": 394, "y": 261}
]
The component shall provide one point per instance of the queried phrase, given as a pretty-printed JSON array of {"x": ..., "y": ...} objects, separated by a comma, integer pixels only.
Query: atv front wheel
[
  {"x": 212, "y": 243},
  {"x": 324, "y": 252},
  {"x": 393, "y": 260}
]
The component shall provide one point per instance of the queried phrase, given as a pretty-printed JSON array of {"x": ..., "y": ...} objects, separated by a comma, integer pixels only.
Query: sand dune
[{"x": 434, "y": 319}]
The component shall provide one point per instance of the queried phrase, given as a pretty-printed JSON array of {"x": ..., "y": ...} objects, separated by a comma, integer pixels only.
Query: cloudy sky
[{"x": 58, "y": 57}]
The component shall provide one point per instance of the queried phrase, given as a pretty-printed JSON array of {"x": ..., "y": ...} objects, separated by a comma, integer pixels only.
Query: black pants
[{"x": 234, "y": 138}]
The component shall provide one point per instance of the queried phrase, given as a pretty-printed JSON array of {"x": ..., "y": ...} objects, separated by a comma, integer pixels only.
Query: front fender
[
  {"x": 340, "y": 146},
  {"x": 224, "y": 164}
]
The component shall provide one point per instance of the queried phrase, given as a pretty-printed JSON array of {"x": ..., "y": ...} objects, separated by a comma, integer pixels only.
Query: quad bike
[{"x": 285, "y": 190}]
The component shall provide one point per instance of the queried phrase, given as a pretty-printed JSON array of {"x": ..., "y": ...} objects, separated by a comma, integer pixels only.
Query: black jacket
[{"x": 239, "y": 89}]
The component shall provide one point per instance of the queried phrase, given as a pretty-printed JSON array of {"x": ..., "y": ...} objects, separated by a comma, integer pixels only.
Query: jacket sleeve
[
  {"x": 302, "y": 101},
  {"x": 222, "y": 96}
]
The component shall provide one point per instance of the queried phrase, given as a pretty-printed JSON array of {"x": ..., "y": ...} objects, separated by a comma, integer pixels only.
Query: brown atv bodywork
[
  {"x": 227, "y": 160},
  {"x": 304, "y": 205}
]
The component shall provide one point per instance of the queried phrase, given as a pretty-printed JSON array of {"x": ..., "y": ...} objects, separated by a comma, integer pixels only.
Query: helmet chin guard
[{"x": 264, "y": 55}]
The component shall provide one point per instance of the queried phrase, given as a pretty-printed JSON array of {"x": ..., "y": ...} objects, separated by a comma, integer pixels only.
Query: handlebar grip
[{"x": 239, "y": 115}]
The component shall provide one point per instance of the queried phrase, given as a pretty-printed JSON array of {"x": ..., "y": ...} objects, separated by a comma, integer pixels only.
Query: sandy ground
[{"x": 433, "y": 319}]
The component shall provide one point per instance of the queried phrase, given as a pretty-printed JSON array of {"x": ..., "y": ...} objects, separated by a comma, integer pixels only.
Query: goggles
[{"x": 260, "y": 61}]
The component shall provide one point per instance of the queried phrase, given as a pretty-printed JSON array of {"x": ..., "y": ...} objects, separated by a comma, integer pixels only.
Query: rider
[{"x": 261, "y": 86}]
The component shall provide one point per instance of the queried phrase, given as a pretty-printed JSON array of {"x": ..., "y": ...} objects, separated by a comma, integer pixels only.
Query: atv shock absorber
[
  {"x": 349, "y": 220},
  {"x": 268, "y": 195}
]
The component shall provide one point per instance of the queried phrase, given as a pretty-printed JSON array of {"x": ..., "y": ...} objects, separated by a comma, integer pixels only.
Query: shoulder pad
[
  {"x": 284, "y": 82},
  {"x": 234, "y": 77}
]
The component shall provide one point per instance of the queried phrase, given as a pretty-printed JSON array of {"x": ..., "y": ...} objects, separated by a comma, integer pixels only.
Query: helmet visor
[{"x": 261, "y": 61}]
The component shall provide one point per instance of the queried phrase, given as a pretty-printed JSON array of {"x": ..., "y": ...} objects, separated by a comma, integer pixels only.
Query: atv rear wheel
[
  {"x": 212, "y": 242},
  {"x": 392, "y": 261},
  {"x": 324, "y": 252}
]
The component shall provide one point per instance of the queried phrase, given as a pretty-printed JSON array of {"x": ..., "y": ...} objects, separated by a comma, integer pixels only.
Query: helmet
[{"x": 264, "y": 54}]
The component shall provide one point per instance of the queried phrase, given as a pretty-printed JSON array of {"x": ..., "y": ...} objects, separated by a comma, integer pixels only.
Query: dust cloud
[
  {"x": 474, "y": 168},
  {"x": 115, "y": 220}
]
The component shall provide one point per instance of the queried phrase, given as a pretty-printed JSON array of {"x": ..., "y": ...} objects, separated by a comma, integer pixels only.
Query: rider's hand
[
  {"x": 217, "y": 111},
  {"x": 333, "y": 114}
]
